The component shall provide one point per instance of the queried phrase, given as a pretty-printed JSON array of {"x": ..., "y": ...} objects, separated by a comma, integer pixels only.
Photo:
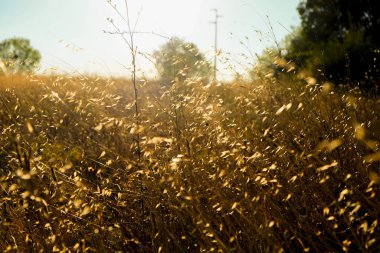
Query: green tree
[
  {"x": 265, "y": 65},
  {"x": 17, "y": 56},
  {"x": 178, "y": 59},
  {"x": 338, "y": 40}
]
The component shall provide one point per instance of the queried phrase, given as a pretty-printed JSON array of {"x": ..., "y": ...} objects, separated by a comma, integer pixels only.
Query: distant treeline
[{"x": 337, "y": 41}]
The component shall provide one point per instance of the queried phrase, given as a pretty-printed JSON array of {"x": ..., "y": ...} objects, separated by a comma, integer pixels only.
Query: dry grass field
[{"x": 265, "y": 166}]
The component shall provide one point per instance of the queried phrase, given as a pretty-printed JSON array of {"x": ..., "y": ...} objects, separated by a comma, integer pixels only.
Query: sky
[{"x": 70, "y": 33}]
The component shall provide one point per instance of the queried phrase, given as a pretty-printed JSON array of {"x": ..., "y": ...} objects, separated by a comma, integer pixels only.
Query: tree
[
  {"x": 338, "y": 40},
  {"x": 17, "y": 56},
  {"x": 178, "y": 59},
  {"x": 266, "y": 64}
]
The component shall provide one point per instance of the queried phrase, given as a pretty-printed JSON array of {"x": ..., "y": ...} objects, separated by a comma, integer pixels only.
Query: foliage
[
  {"x": 18, "y": 56},
  {"x": 338, "y": 41},
  {"x": 268, "y": 166},
  {"x": 178, "y": 59},
  {"x": 266, "y": 64}
]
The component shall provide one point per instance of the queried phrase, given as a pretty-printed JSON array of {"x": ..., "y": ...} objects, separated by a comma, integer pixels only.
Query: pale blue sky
[{"x": 69, "y": 33}]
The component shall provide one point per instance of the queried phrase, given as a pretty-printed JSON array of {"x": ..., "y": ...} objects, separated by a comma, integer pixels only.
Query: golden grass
[{"x": 267, "y": 166}]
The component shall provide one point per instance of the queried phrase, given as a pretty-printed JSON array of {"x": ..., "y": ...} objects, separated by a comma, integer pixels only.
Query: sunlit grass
[{"x": 262, "y": 166}]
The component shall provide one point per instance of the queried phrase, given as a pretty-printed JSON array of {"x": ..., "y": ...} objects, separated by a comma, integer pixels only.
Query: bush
[{"x": 17, "y": 56}]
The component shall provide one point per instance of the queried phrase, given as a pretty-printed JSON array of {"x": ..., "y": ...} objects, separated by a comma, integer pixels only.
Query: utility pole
[{"x": 215, "y": 22}]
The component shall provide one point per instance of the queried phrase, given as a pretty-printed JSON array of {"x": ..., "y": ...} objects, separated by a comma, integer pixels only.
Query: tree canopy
[
  {"x": 338, "y": 40},
  {"x": 177, "y": 59},
  {"x": 18, "y": 56}
]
